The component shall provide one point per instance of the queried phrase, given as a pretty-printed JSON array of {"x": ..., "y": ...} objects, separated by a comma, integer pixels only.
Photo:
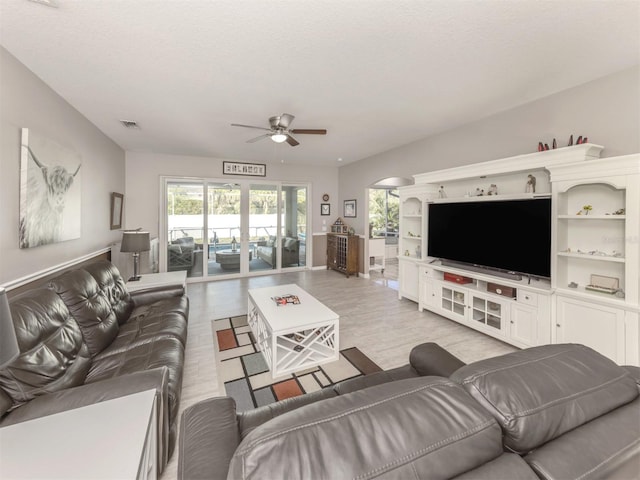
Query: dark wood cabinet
[{"x": 342, "y": 253}]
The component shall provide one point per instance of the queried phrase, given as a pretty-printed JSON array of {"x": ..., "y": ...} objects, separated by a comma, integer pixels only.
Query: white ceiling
[{"x": 376, "y": 74}]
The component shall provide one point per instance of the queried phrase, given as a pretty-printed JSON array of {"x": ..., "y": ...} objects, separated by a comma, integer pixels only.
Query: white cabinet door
[
  {"x": 427, "y": 289},
  {"x": 523, "y": 326},
  {"x": 488, "y": 313},
  {"x": 452, "y": 301},
  {"x": 408, "y": 273},
  {"x": 593, "y": 325}
]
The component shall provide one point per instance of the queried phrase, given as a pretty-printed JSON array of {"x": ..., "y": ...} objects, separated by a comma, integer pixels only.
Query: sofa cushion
[
  {"x": 506, "y": 466},
  {"x": 53, "y": 355},
  {"x": 540, "y": 393},
  {"x": 113, "y": 288},
  {"x": 164, "y": 318},
  {"x": 425, "y": 427},
  {"x": 158, "y": 352},
  {"x": 89, "y": 306},
  {"x": 607, "y": 447},
  {"x": 290, "y": 243}
]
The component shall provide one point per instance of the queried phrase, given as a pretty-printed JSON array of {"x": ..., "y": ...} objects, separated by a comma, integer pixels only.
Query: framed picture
[
  {"x": 247, "y": 169},
  {"x": 350, "y": 208},
  {"x": 325, "y": 209},
  {"x": 50, "y": 191},
  {"x": 117, "y": 201}
]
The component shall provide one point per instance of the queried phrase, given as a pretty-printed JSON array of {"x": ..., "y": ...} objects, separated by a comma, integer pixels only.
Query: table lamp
[
  {"x": 135, "y": 241},
  {"x": 9, "y": 349}
]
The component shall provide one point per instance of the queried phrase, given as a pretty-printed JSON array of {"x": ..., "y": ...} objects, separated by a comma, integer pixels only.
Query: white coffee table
[{"x": 292, "y": 337}]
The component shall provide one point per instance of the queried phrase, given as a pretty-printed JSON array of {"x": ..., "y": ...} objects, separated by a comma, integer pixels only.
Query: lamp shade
[
  {"x": 9, "y": 349},
  {"x": 135, "y": 242}
]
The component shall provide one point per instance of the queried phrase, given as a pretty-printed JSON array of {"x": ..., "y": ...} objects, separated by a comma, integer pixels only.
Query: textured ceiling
[{"x": 376, "y": 74}]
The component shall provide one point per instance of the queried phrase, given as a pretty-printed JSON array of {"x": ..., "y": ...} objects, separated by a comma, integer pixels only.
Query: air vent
[{"x": 130, "y": 124}]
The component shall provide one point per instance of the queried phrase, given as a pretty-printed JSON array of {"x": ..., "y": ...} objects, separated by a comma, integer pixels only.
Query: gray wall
[
  {"x": 143, "y": 173},
  {"x": 28, "y": 102},
  {"x": 606, "y": 110}
]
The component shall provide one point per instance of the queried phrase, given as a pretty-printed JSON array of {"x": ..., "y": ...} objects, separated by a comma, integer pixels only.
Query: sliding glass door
[
  {"x": 263, "y": 227},
  {"x": 224, "y": 227},
  {"x": 293, "y": 221},
  {"x": 250, "y": 228},
  {"x": 185, "y": 227}
]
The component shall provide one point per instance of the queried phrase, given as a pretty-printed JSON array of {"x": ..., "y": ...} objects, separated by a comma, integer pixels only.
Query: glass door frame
[{"x": 245, "y": 185}]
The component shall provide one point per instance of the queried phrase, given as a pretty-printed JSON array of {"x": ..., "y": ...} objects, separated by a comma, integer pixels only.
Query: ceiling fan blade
[
  {"x": 285, "y": 120},
  {"x": 249, "y": 126},
  {"x": 259, "y": 138},
  {"x": 309, "y": 131},
  {"x": 292, "y": 141}
]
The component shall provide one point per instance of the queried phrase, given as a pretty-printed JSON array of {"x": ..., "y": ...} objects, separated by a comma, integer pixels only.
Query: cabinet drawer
[{"x": 527, "y": 298}]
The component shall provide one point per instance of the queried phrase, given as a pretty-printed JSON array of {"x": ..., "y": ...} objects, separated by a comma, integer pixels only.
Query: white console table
[
  {"x": 155, "y": 280},
  {"x": 111, "y": 439}
]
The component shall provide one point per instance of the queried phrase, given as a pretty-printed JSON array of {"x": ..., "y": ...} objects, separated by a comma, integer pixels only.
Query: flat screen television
[{"x": 505, "y": 235}]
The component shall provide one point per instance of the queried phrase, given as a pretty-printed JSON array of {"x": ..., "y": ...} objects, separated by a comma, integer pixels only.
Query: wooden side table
[{"x": 111, "y": 439}]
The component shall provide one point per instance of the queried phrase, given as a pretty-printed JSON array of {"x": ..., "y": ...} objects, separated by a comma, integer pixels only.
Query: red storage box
[{"x": 452, "y": 277}]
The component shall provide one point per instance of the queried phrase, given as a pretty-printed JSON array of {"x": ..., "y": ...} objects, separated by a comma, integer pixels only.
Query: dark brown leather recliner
[{"x": 85, "y": 339}]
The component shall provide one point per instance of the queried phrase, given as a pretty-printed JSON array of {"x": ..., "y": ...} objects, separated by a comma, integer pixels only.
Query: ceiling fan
[{"x": 280, "y": 132}]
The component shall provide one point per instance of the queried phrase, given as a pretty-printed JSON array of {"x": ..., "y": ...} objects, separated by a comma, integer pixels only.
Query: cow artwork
[{"x": 49, "y": 192}]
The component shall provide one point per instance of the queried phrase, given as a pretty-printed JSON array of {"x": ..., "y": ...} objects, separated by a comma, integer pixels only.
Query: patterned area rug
[{"x": 246, "y": 377}]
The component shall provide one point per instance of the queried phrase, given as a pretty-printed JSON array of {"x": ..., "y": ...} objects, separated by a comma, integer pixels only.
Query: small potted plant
[{"x": 587, "y": 209}]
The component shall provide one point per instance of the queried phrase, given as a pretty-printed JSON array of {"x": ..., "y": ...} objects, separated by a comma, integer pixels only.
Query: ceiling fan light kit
[
  {"x": 279, "y": 131},
  {"x": 279, "y": 137}
]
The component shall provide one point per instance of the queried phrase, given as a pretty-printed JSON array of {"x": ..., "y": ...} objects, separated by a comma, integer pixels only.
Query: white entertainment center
[{"x": 603, "y": 241}]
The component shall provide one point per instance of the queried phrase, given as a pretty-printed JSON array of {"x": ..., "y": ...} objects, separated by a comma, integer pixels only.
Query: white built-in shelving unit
[{"x": 603, "y": 241}]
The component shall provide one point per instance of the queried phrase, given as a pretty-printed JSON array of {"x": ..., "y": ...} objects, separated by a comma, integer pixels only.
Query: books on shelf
[{"x": 287, "y": 299}]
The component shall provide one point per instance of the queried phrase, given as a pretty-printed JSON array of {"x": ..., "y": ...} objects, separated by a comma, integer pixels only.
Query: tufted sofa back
[
  {"x": 98, "y": 307},
  {"x": 112, "y": 286},
  {"x": 53, "y": 355}
]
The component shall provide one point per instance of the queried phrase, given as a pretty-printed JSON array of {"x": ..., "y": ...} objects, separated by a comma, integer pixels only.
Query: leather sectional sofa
[
  {"x": 551, "y": 412},
  {"x": 84, "y": 339}
]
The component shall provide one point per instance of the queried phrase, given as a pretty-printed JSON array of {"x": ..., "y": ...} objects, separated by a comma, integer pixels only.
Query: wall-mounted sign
[{"x": 241, "y": 168}]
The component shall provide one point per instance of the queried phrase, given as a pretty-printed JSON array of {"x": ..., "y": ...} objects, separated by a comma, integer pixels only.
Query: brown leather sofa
[
  {"x": 85, "y": 339},
  {"x": 551, "y": 412}
]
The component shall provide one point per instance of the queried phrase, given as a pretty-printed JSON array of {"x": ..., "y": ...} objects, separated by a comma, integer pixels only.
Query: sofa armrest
[
  {"x": 153, "y": 294},
  {"x": 90, "y": 393},
  {"x": 208, "y": 439},
  {"x": 431, "y": 359}
]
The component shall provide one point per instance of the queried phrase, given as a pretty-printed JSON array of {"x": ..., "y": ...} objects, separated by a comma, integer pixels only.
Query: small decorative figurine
[
  {"x": 493, "y": 189},
  {"x": 406, "y": 253},
  {"x": 571, "y": 140},
  {"x": 554, "y": 145},
  {"x": 479, "y": 192},
  {"x": 579, "y": 141},
  {"x": 531, "y": 184},
  {"x": 573, "y": 285},
  {"x": 540, "y": 147},
  {"x": 441, "y": 192}
]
